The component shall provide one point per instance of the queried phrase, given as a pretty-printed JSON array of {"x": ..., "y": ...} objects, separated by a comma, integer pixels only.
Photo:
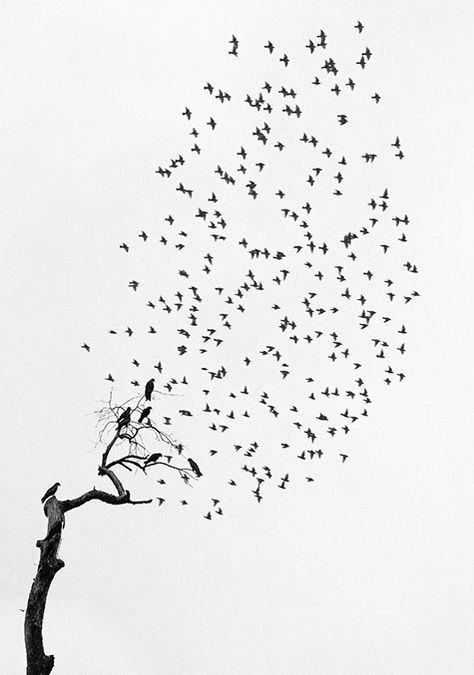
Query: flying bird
[{"x": 206, "y": 315}]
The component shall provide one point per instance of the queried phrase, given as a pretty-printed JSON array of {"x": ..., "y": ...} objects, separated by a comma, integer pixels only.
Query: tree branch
[
  {"x": 109, "y": 448},
  {"x": 105, "y": 471}
]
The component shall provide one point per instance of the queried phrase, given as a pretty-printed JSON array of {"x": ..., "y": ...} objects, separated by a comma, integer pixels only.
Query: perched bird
[
  {"x": 194, "y": 467},
  {"x": 149, "y": 387},
  {"x": 144, "y": 414},
  {"x": 124, "y": 419},
  {"x": 50, "y": 493},
  {"x": 153, "y": 458}
]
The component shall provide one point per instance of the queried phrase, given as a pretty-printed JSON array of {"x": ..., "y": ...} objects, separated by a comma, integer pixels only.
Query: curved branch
[
  {"x": 69, "y": 504},
  {"x": 100, "y": 495},
  {"x": 185, "y": 472},
  {"x": 184, "y": 469},
  {"x": 109, "y": 448},
  {"x": 130, "y": 437},
  {"x": 104, "y": 471},
  {"x": 122, "y": 496},
  {"x": 125, "y": 458},
  {"x": 130, "y": 461}
]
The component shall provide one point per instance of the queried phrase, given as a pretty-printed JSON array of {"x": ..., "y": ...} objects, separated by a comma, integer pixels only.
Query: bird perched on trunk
[
  {"x": 50, "y": 493},
  {"x": 150, "y": 385},
  {"x": 194, "y": 467},
  {"x": 145, "y": 413},
  {"x": 124, "y": 419}
]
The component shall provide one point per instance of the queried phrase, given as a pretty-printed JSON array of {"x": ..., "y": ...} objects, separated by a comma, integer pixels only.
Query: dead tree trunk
[{"x": 38, "y": 663}]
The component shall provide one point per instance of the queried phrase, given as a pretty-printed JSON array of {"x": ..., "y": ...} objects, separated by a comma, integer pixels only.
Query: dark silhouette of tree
[{"x": 131, "y": 441}]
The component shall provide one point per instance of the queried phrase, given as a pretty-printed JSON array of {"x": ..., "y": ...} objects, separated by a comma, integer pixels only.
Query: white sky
[{"x": 369, "y": 570}]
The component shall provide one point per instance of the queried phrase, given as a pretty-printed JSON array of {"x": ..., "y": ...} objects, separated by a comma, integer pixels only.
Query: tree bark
[{"x": 37, "y": 662}]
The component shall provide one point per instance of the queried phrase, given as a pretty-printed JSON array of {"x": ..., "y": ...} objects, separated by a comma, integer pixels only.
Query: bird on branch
[
  {"x": 144, "y": 414},
  {"x": 124, "y": 419},
  {"x": 153, "y": 458},
  {"x": 149, "y": 387},
  {"x": 194, "y": 467}
]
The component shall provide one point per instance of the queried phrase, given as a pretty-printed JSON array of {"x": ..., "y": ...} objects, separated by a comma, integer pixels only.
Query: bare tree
[{"x": 126, "y": 433}]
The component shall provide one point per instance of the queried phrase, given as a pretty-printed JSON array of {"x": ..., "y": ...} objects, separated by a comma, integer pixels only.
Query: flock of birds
[{"x": 278, "y": 310}]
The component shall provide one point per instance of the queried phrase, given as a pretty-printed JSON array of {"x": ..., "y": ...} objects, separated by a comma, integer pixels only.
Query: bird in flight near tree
[
  {"x": 318, "y": 263},
  {"x": 284, "y": 287}
]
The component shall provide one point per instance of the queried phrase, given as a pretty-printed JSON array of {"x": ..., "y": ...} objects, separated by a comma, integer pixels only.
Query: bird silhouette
[
  {"x": 124, "y": 419},
  {"x": 194, "y": 467},
  {"x": 149, "y": 388},
  {"x": 273, "y": 317},
  {"x": 144, "y": 414},
  {"x": 50, "y": 492}
]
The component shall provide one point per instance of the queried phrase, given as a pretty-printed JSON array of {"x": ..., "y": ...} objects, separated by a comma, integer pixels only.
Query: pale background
[{"x": 370, "y": 573}]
